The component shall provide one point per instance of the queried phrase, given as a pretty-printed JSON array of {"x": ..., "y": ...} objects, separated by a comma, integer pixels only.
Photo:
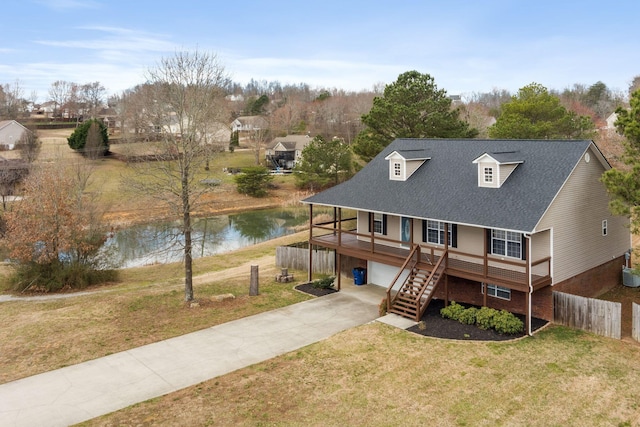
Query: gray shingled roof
[{"x": 446, "y": 187}]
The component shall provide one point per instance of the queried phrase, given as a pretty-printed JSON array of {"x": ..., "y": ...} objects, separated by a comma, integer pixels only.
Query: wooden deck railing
[{"x": 489, "y": 269}]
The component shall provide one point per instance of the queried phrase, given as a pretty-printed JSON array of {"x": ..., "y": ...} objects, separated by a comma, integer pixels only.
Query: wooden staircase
[{"x": 414, "y": 296}]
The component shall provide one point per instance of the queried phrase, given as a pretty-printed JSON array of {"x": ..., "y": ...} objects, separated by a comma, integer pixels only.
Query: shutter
[
  {"x": 489, "y": 248},
  {"x": 384, "y": 224},
  {"x": 454, "y": 235},
  {"x": 370, "y": 216},
  {"x": 523, "y": 247},
  {"x": 424, "y": 230}
]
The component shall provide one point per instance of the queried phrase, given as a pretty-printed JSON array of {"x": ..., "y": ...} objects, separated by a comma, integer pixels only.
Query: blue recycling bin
[{"x": 358, "y": 275}]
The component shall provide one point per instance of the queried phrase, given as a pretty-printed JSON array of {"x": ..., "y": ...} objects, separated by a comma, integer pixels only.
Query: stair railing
[
  {"x": 413, "y": 252},
  {"x": 438, "y": 269}
]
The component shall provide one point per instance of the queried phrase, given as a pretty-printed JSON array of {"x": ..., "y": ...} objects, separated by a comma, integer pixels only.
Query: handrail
[
  {"x": 433, "y": 272},
  {"x": 434, "y": 253},
  {"x": 414, "y": 250}
]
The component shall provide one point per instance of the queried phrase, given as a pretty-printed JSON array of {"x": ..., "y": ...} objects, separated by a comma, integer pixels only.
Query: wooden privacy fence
[
  {"x": 635, "y": 327},
  {"x": 296, "y": 257},
  {"x": 593, "y": 315}
]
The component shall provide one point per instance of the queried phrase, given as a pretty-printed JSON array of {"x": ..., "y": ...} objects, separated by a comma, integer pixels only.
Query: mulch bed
[
  {"x": 308, "y": 288},
  {"x": 437, "y": 326}
]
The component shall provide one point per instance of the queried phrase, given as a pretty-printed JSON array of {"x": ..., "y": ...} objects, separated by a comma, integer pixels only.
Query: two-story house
[{"x": 498, "y": 223}]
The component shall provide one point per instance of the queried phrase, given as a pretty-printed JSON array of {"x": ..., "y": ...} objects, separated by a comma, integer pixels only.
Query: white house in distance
[
  {"x": 10, "y": 132},
  {"x": 249, "y": 124}
]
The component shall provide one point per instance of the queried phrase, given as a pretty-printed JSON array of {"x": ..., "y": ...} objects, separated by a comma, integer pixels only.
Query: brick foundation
[
  {"x": 591, "y": 283},
  {"x": 594, "y": 282}
]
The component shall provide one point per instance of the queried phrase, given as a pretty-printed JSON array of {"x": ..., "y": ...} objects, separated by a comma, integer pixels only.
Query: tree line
[{"x": 189, "y": 93}]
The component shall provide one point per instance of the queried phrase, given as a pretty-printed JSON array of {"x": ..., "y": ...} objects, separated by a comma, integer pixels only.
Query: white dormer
[
  {"x": 495, "y": 168},
  {"x": 403, "y": 163}
]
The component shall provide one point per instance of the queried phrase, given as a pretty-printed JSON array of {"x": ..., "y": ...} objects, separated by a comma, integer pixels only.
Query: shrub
[
  {"x": 58, "y": 276},
  {"x": 452, "y": 311},
  {"x": 468, "y": 316},
  {"x": 326, "y": 283},
  {"x": 253, "y": 181},
  {"x": 484, "y": 317},
  {"x": 507, "y": 323}
]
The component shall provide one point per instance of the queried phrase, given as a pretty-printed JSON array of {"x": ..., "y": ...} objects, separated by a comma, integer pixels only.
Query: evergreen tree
[
  {"x": 534, "y": 113},
  {"x": 98, "y": 143},
  {"x": 324, "y": 163},
  {"x": 411, "y": 107},
  {"x": 624, "y": 184}
]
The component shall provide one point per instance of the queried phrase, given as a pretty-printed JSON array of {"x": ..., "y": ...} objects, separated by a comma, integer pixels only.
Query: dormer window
[
  {"x": 397, "y": 169},
  {"x": 488, "y": 175},
  {"x": 402, "y": 164},
  {"x": 495, "y": 168}
]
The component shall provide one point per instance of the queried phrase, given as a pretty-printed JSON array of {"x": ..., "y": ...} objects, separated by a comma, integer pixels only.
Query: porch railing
[{"x": 481, "y": 267}]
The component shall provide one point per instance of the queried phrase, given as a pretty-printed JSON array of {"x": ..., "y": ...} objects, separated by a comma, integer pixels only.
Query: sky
[{"x": 467, "y": 46}]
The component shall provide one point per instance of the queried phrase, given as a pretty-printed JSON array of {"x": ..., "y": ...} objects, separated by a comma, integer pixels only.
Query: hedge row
[{"x": 485, "y": 318}]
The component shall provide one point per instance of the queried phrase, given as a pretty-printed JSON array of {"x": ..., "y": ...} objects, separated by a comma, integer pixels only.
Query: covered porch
[{"x": 341, "y": 234}]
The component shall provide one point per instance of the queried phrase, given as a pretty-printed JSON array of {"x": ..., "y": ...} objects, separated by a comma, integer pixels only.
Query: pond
[{"x": 161, "y": 243}]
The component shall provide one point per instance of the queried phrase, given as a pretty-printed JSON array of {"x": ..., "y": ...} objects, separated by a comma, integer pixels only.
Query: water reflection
[{"x": 163, "y": 243}]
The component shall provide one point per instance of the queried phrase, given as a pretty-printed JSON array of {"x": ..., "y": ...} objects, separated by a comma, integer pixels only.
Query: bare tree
[
  {"x": 187, "y": 95},
  {"x": 59, "y": 93},
  {"x": 92, "y": 95},
  {"x": 13, "y": 103},
  {"x": 29, "y": 146},
  {"x": 12, "y": 172}
]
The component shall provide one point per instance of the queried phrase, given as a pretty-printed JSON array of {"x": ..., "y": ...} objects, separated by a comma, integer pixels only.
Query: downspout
[{"x": 530, "y": 308}]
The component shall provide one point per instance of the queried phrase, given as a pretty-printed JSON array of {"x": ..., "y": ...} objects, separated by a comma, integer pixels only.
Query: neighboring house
[
  {"x": 521, "y": 218},
  {"x": 249, "y": 124},
  {"x": 610, "y": 121},
  {"x": 216, "y": 134},
  {"x": 284, "y": 152},
  {"x": 10, "y": 132}
]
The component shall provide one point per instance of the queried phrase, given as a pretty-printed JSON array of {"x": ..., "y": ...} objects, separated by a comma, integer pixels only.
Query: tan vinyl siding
[
  {"x": 481, "y": 167},
  {"x": 412, "y": 166},
  {"x": 576, "y": 219},
  {"x": 471, "y": 240},
  {"x": 505, "y": 171},
  {"x": 541, "y": 245}
]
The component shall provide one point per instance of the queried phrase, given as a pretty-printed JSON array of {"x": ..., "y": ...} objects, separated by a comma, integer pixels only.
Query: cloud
[{"x": 115, "y": 38}]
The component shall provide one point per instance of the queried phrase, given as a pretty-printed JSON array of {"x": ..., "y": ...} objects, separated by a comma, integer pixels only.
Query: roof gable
[{"x": 448, "y": 190}]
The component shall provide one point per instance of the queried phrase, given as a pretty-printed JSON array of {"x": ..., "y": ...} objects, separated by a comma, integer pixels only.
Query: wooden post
[
  {"x": 309, "y": 270},
  {"x": 339, "y": 269},
  {"x": 253, "y": 285}
]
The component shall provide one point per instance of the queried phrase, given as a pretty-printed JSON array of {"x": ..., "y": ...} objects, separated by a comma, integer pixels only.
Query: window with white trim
[
  {"x": 497, "y": 291},
  {"x": 378, "y": 223},
  {"x": 506, "y": 243},
  {"x": 435, "y": 232},
  {"x": 605, "y": 229},
  {"x": 397, "y": 169},
  {"x": 488, "y": 175}
]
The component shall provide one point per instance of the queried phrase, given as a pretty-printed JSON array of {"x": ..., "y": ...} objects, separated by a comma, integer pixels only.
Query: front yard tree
[
  {"x": 187, "y": 98},
  {"x": 534, "y": 113},
  {"x": 411, "y": 107},
  {"x": 90, "y": 138},
  {"x": 624, "y": 184},
  {"x": 323, "y": 163},
  {"x": 54, "y": 230}
]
